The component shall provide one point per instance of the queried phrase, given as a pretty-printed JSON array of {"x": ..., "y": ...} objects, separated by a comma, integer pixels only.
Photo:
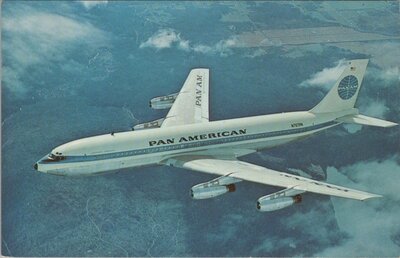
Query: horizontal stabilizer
[{"x": 365, "y": 120}]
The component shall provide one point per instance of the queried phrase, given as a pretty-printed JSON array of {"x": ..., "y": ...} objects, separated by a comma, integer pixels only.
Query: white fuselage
[{"x": 236, "y": 137}]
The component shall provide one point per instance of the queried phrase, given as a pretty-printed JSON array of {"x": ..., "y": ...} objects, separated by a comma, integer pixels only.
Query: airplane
[{"x": 186, "y": 138}]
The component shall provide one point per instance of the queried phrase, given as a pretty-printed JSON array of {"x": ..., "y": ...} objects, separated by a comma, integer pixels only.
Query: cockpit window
[{"x": 52, "y": 157}]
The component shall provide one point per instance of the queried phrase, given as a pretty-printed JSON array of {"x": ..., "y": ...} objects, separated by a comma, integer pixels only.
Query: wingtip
[
  {"x": 206, "y": 69},
  {"x": 372, "y": 196},
  {"x": 365, "y": 60}
]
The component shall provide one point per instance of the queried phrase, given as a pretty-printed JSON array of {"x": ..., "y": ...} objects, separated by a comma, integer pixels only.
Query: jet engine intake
[
  {"x": 163, "y": 102},
  {"x": 149, "y": 125},
  {"x": 199, "y": 192},
  {"x": 215, "y": 187},
  {"x": 268, "y": 204}
]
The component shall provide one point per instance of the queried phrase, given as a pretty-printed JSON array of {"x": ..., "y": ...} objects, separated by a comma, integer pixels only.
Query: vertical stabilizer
[{"x": 344, "y": 93}]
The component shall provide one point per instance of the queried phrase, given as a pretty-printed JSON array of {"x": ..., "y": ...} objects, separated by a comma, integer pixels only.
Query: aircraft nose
[{"x": 35, "y": 166}]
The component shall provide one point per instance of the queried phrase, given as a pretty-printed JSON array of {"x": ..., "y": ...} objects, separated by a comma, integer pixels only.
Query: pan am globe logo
[{"x": 348, "y": 87}]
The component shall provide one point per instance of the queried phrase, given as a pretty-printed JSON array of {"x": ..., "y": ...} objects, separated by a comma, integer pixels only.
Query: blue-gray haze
[{"x": 76, "y": 69}]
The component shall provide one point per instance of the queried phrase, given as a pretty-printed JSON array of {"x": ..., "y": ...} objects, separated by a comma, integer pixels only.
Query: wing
[
  {"x": 253, "y": 173},
  {"x": 191, "y": 105}
]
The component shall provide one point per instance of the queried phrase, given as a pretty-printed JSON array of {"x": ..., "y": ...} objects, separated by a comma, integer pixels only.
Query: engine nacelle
[
  {"x": 149, "y": 125},
  {"x": 267, "y": 204},
  {"x": 201, "y": 192},
  {"x": 163, "y": 102}
]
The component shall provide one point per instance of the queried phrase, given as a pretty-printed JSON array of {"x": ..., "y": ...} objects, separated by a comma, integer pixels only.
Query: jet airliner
[{"x": 186, "y": 138}]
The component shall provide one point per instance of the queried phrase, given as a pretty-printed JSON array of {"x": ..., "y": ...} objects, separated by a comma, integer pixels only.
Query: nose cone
[{"x": 40, "y": 165}]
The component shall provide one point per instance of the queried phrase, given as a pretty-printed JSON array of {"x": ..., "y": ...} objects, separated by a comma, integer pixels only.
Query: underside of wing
[
  {"x": 191, "y": 104},
  {"x": 253, "y": 173}
]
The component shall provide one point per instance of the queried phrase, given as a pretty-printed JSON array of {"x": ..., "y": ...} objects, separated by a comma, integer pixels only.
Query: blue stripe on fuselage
[{"x": 200, "y": 143}]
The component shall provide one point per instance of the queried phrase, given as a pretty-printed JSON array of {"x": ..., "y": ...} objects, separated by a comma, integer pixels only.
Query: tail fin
[{"x": 344, "y": 94}]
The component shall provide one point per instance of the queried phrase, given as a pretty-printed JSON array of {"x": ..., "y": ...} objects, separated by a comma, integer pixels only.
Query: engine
[
  {"x": 266, "y": 203},
  {"x": 201, "y": 192},
  {"x": 149, "y": 125},
  {"x": 215, "y": 187},
  {"x": 163, "y": 102}
]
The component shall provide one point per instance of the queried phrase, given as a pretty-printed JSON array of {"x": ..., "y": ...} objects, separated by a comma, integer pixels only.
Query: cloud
[
  {"x": 11, "y": 77},
  {"x": 184, "y": 45},
  {"x": 385, "y": 77},
  {"x": 222, "y": 47},
  {"x": 298, "y": 230},
  {"x": 47, "y": 29},
  {"x": 352, "y": 128},
  {"x": 169, "y": 38},
  {"x": 391, "y": 74},
  {"x": 33, "y": 38},
  {"x": 270, "y": 245},
  {"x": 256, "y": 53},
  {"x": 374, "y": 108},
  {"x": 166, "y": 38},
  {"x": 325, "y": 78},
  {"x": 90, "y": 4},
  {"x": 202, "y": 49},
  {"x": 372, "y": 226}
]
